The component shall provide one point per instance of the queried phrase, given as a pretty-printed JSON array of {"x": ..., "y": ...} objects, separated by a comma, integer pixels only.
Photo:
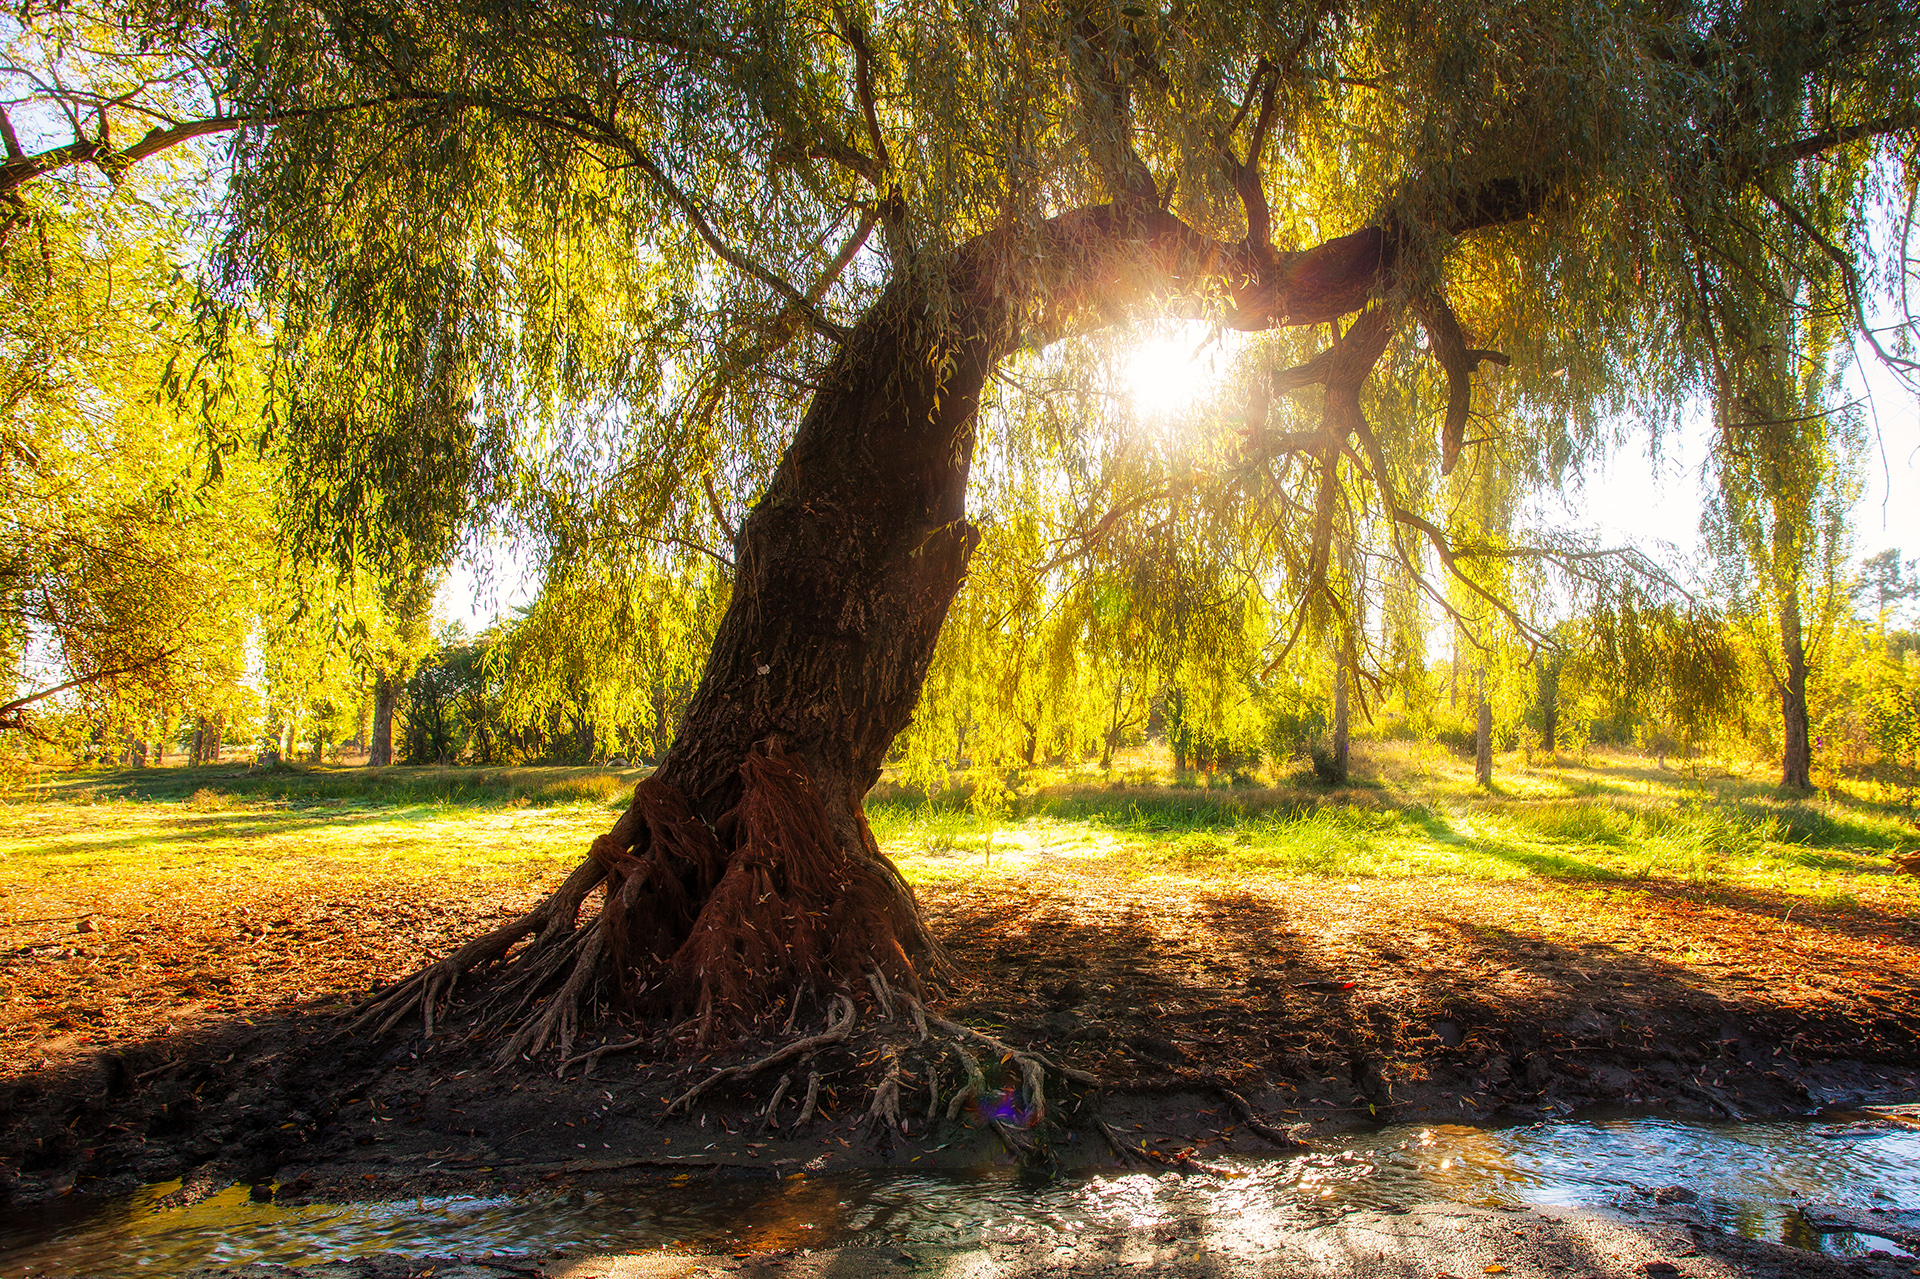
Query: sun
[{"x": 1171, "y": 370}]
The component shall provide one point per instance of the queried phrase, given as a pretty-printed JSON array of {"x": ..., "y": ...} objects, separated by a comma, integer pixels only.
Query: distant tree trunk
[
  {"x": 1453, "y": 675},
  {"x": 1339, "y": 718},
  {"x": 1177, "y": 728},
  {"x": 1111, "y": 739},
  {"x": 1549, "y": 690},
  {"x": 1483, "y": 736},
  {"x": 1796, "y": 763},
  {"x": 386, "y": 690}
]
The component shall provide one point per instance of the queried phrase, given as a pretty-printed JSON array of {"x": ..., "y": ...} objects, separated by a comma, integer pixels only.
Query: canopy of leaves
[{"x": 558, "y": 261}]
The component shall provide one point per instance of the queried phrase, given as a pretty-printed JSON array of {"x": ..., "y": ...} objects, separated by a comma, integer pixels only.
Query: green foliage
[
  {"x": 631, "y": 240},
  {"x": 575, "y": 274},
  {"x": 124, "y": 573},
  {"x": 603, "y": 664}
]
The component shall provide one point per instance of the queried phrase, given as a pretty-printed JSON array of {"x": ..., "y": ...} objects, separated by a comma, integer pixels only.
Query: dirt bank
[{"x": 1323, "y": 1003}]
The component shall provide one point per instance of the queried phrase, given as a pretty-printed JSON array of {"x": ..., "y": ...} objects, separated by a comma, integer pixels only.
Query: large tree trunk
[
  {"x": 744, "y": 871},
  {"x": 380, "y": 746},
  {"x": 1796, "y": 755}
]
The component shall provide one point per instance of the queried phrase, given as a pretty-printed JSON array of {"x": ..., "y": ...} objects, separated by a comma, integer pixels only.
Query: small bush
[
  {"x": 209, "y": 800},
  {"x": 599, "y": 788},
  {"x": 1325, "y": 766}
]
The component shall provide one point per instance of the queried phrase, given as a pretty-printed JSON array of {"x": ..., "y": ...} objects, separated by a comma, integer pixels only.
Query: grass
[
  {"x": 300, "y": 785},
  {"x": 1413, "y": 811},
  {"x": 167, "y": 830}
]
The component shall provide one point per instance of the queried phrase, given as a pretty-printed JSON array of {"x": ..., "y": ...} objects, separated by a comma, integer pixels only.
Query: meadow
[{"x": 1413, "y": 810}]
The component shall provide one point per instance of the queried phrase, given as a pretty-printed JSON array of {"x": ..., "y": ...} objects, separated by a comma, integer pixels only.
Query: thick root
[
  {"x": 839, "y": 1026},
  {"x": 428, "y": 991},
  {"x": 794, "y": 907}
]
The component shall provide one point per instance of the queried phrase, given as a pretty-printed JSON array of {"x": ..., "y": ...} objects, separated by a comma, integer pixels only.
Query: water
[{"x": 1747, "y": 1175}]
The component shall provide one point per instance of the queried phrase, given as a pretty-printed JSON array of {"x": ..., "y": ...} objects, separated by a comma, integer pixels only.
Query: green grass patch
[
  {"x": 300, "y": 784},
  {"x": 1603, "y": 821}
]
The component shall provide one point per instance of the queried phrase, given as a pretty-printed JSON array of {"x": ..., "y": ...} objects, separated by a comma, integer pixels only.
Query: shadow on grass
[
  {"x": 1550, "y": 865},
  {"x": 296, "y": 784}
]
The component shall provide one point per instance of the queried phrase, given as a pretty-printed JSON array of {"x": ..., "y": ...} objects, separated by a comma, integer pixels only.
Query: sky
[{"x": 1652, "y": 500}]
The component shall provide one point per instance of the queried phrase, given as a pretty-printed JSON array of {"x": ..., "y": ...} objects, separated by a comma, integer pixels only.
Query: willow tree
[
  {"x": 1783, "y": 461},
  {"x": 749, "y": 273},
  {"x": 1785, "y": 452}
]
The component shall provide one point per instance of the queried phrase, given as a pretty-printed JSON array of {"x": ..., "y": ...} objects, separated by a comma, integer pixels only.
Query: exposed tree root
[
  {"x": 708, "y": 924},
  {"x": 1286, "y": 1138},
  {"x": 427, "y": 991},
  {"x": 970, "y": 1092},
  {"x": 884, "y": 1114},
  {"x": 605, "y": 1050},
  {"x": 813, "y": 1098},
  {"x": 839, "y": 1026},
  {"x": 770, "y": 1117}
]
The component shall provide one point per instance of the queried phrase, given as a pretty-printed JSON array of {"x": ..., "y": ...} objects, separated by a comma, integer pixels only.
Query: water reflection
[{"x": 1746, "y": 1176}]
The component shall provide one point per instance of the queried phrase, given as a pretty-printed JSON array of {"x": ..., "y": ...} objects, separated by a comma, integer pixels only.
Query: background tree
[
  {"x": 126, "y": 550},
  {"x": 1783, "y": 463}
]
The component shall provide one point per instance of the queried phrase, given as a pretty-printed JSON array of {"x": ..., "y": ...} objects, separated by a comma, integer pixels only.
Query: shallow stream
[{"x": 1747, "y": 1176}]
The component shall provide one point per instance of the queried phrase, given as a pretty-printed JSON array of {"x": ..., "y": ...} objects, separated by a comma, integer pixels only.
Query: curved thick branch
[{"x": 1459, "y": 361}]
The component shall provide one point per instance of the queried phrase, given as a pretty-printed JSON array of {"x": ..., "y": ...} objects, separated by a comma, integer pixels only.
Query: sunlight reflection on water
[{"x": 1747, "y": 1177}]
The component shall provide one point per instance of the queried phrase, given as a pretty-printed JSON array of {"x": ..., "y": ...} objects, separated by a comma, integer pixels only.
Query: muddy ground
[{"x": 1324, "y": 1003}]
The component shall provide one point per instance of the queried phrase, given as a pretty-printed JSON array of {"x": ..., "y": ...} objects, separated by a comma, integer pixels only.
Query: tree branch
[
  {"x": 21, "y": 168},
  {"x": 1850, "y": 276},
  {"x": 1245, "y": 176},
  {"x": 10, "y": 712},
  {"x": 1450, "y": 350}
]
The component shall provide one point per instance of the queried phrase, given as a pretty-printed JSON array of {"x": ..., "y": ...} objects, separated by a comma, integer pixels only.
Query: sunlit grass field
[{"x": 1412, "y": 811}]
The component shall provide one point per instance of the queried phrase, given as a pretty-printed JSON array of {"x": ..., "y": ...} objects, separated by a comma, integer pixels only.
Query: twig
[
  {"x": 605, "y": 1050},
  {"x": 1124, "y": 1152},
  {"x": 1286, "y": 1139}
]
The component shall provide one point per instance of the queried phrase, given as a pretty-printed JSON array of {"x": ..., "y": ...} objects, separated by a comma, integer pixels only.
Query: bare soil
[{"x": 202, "y": 1043}]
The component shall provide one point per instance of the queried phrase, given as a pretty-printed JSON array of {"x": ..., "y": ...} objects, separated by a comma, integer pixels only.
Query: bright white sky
[{"x": 1636, "y": 497}]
